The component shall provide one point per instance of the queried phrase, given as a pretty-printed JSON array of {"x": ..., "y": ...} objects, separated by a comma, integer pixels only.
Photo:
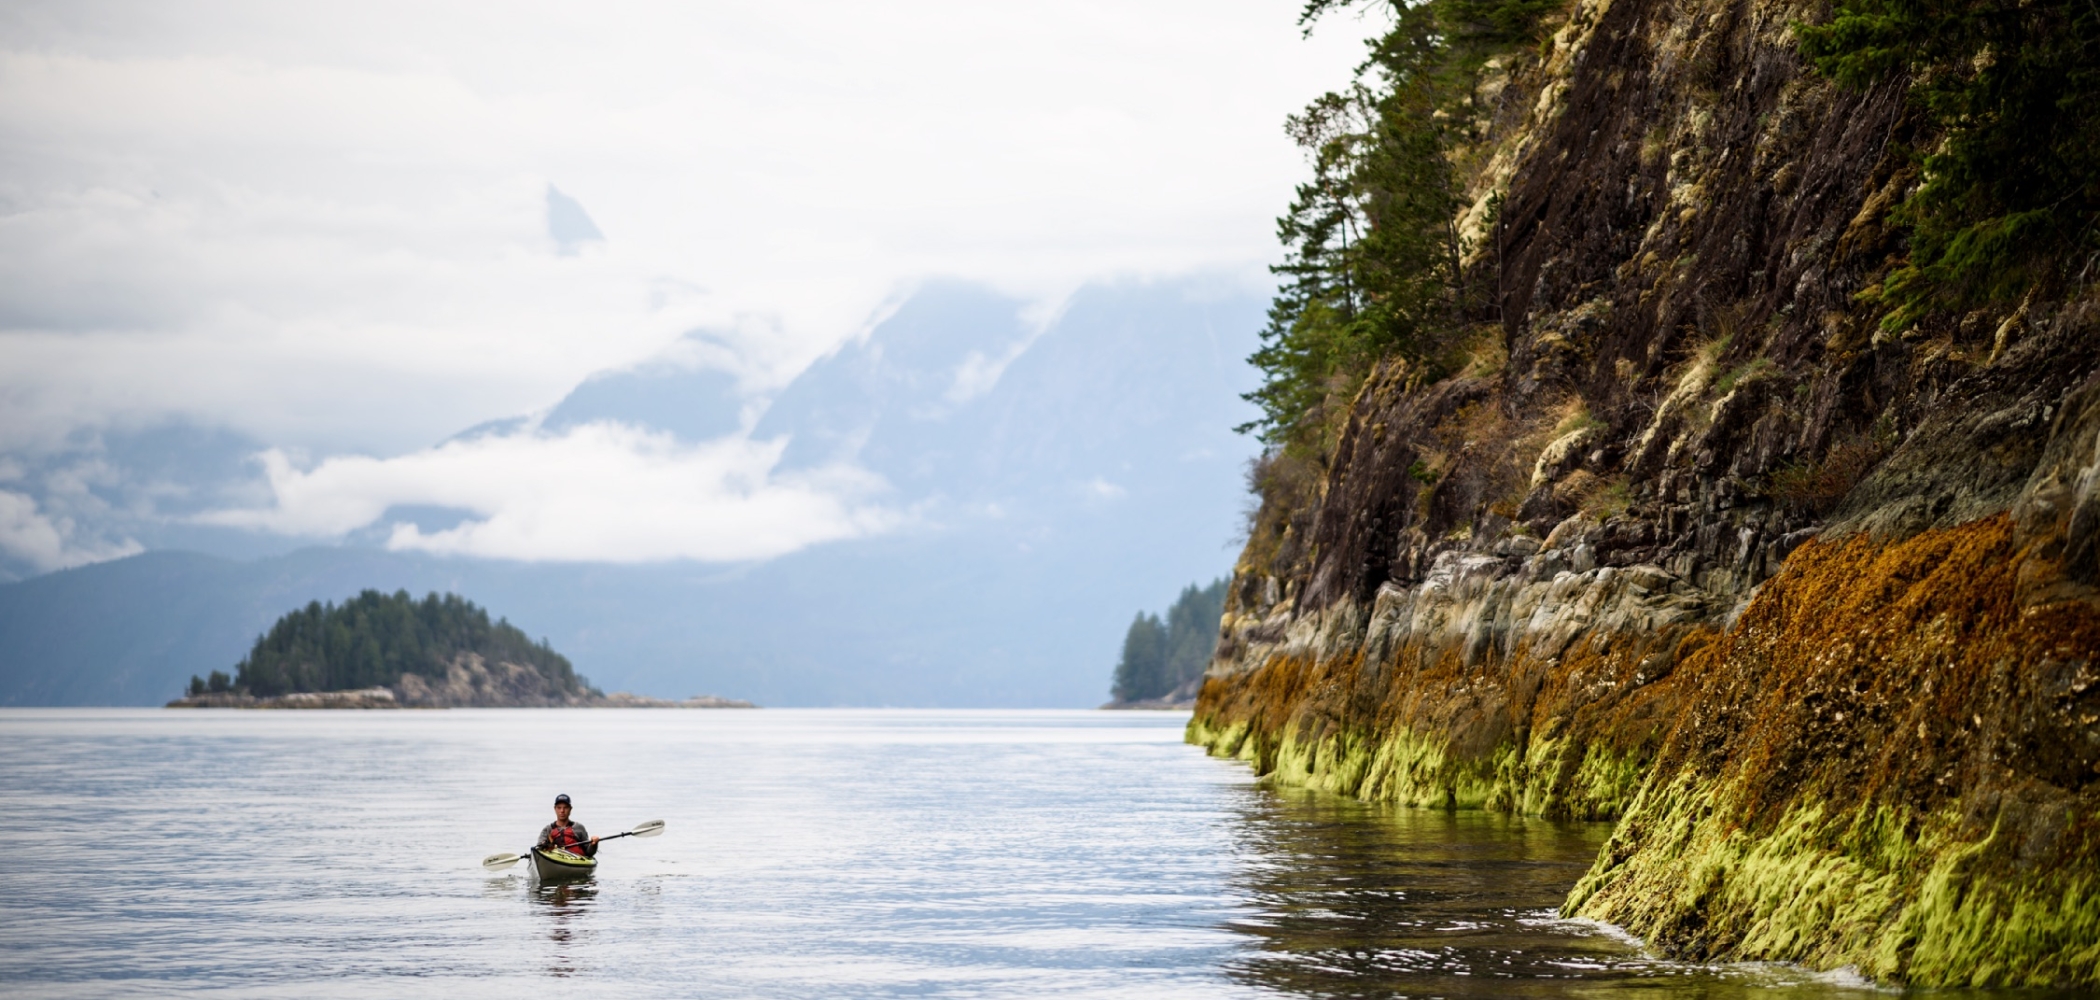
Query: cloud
[
  {"x": 1098, "y": 488},
  {"x": 602, "y": 492},
  {"x": 310, "y": 225},
  {"x": 47, "y": 543}
]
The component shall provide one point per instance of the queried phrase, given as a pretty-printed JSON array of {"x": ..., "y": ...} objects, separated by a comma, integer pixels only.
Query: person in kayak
[{"x": 567, "y": 835}]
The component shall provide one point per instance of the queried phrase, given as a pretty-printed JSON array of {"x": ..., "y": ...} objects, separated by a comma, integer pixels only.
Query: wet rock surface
[{"x": 1808, "y": 607}]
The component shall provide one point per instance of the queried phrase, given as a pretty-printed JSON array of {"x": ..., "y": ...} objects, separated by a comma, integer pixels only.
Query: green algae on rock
[
  {"x": 1884, "y": 773},
  {"x": 1809, "y": 606}
]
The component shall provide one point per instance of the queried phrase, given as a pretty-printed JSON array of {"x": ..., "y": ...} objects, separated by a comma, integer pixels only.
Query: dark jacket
[{"x": 573, "y": 838}]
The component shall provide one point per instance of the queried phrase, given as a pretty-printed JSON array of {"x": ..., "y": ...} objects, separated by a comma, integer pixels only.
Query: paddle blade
[
  {"x": 498, "y": 862},
  {"x": 650, "y": 829}
]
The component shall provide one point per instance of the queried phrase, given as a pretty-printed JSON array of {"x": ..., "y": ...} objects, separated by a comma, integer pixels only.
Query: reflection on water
[
  {"x": 564, "y": 902},
  {"x": 1353, "y": 900},
  {"x": 809, "y": 854}
]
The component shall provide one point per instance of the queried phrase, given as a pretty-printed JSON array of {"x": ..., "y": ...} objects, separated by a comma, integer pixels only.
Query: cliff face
[{"x": 1811, "y": 609}]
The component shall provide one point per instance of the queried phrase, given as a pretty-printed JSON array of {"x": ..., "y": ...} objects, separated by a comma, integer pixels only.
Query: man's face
[{"x": 561, "y": 812}]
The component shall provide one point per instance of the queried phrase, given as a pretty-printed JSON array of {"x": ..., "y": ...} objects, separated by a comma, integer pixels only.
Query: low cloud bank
[
  {"x": 49, "y": 543},
  {"x": 599, "y": 492}
]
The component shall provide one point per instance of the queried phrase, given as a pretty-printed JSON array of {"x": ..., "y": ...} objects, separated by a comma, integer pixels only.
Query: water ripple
[{"x": 809, "y": 854}]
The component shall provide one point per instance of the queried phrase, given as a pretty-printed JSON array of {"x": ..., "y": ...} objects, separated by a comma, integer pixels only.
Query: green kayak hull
[{"x": 553, "y": 863}]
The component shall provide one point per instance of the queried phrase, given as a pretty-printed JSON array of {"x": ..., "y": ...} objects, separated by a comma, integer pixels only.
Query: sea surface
[{"x": 819, "y": 853}]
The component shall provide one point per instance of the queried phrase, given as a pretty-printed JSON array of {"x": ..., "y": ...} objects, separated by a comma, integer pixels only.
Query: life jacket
[{"x": 565, "y": 837}]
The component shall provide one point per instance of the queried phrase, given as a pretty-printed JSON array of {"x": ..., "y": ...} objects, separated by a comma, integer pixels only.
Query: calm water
[{"x": 809, "y": 854}]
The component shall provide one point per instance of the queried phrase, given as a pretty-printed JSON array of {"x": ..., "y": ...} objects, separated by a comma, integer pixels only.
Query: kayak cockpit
[{"x": 555, "y": 863}]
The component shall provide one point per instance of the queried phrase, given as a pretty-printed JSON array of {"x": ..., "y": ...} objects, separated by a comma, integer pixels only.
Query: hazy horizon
[{"x": 310, "y": 247}]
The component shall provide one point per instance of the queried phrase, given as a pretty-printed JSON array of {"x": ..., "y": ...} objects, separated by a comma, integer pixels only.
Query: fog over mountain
[
  {"x": 1008, "y": 489},
  {"x": 814, "y": 353}
]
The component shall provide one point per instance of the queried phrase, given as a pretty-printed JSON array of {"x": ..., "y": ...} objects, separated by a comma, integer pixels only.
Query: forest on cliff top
[{"x": 1386, "y": 258}]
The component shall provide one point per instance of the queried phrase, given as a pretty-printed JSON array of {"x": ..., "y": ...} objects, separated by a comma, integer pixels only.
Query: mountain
[
  {"x": 118, "y": 490},
  {"x": 696, "y": 405},
  {"x": 1053, "y": 478}
]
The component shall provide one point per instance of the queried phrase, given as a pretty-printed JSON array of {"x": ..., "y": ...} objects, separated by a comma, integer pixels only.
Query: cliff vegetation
[{"x": 1687, "y": 413}]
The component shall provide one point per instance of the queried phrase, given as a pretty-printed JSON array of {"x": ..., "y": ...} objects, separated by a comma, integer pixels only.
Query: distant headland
[{"x": 392, "y": 651}]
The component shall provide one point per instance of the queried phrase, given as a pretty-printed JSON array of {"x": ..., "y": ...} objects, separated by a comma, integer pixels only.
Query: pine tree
[
  {"x": 374, "y": 638},
  {"x": 1141, "y": 671},
  {"x": 1162, "y": 655}
]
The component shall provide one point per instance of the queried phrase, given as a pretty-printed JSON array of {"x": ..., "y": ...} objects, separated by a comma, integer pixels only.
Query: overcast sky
[{"x": 327, "y": 225}]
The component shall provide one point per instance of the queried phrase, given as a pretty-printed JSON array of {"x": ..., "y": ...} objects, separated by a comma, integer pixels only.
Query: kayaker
[{"x": 567, "y": 835}]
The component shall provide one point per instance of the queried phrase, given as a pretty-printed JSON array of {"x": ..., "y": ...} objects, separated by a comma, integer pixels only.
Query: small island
[{"x": 380, "y": 650}]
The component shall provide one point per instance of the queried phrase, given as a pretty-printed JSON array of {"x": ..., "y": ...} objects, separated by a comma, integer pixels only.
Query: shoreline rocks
[
  {"x": 468, "y": 682},
  {"x": 374, "y": 697},
  {"x": 622, "y": 699},
  {"x": 1181, "y": 699},
  {"x": 380, "y": 697},
  {"x": 1150, "y": 705}
]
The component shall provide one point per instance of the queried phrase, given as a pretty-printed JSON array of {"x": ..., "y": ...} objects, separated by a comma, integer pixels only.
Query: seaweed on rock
[{"x": 1808, "y": 604}]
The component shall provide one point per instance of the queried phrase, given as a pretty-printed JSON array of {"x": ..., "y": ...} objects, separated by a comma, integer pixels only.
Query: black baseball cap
[{"x": 561, "y": 800}]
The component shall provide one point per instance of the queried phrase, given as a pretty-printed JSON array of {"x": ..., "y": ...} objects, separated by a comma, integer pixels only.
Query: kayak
[{"x": 555, "y": 863}]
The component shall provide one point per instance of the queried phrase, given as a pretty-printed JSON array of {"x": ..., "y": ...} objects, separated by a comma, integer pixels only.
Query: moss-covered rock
[{"x": 1811, "y": 607}]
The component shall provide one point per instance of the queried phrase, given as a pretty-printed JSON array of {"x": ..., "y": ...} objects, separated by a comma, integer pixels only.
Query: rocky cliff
[{"x": 1810, "y": 607}]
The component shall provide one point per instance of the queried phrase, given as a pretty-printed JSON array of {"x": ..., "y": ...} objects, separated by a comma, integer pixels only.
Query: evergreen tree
[
  {"x": 1373, "y": 262},
  {"x": 2007, "y": 203},
  {"x": 1142, "y": 669},
  {"x": 374, "y": 638},
  {"x": 1162, "y": 655},
  {"x": 1192, "y": 633}
]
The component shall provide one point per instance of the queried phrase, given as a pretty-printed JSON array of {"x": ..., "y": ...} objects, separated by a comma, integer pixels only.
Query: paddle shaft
[
  {"x": 601, "y": 840},
  {"x": 649, "y": 829}
]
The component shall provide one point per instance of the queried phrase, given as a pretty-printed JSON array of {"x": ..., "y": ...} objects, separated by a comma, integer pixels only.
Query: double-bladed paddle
[{"x": 498, "y": 862}]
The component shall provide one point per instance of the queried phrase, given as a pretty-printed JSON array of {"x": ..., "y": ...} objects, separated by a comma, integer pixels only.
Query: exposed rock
[
  {"x": 1810, "y": 610},
  {"x": 621, "y": 699},
  {"x": 377, "y": 697},
  {"x": 469, "y": 681},
  {"x": 1181, "y": 699}
]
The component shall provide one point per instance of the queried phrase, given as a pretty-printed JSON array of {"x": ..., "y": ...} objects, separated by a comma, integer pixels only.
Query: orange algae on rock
[
  {"x": 1564, "y": 736},
  {"x": 1892, "y": 766},
  {"x": 1806, "y": 604},
  {"x": 1888, "y": 762}
]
